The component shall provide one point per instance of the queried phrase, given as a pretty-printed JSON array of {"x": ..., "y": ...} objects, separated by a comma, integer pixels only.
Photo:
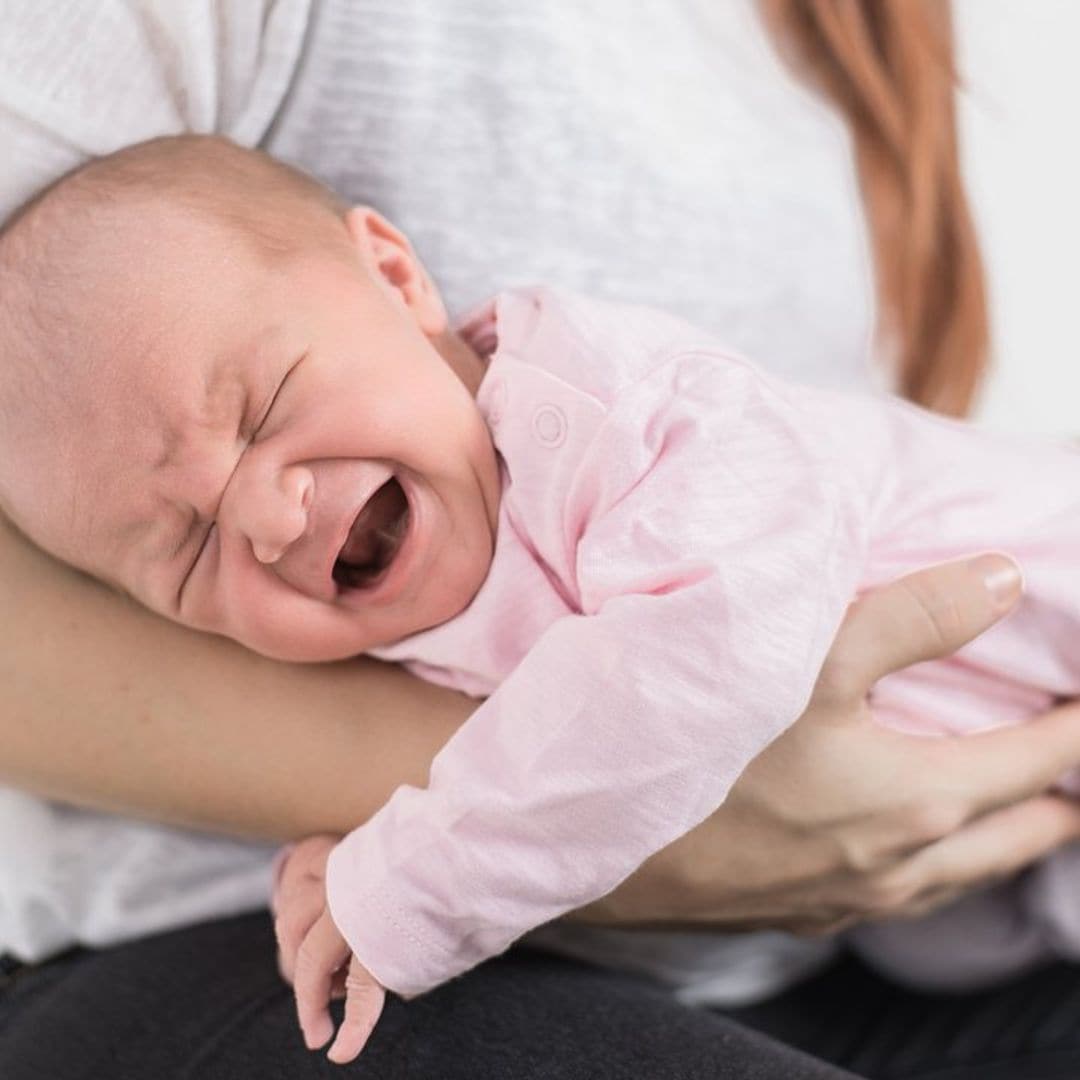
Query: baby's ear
[{"x": 390, "y": 258}]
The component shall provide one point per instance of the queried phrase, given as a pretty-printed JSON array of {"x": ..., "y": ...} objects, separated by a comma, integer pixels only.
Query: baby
[{"x": 241, "y": 402}]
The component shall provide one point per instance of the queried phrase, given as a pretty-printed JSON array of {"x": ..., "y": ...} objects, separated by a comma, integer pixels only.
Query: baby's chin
[
  {"x": 282, "y": 624},
  {"x": 321, "y": 642},
  {"x": 300, "y": 648}
]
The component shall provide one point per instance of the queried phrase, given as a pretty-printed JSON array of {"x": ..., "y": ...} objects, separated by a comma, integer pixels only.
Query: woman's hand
[{"x": 841, "y": 819}]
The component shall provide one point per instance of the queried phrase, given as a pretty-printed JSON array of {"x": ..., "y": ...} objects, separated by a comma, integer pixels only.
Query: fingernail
[{"x": 1002, "y": 578}]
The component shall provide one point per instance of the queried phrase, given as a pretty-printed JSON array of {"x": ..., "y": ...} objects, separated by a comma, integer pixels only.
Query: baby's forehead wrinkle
[
  {"x": 171, "y": 440},
  {"x": 223, "y": 390},
  {"x": 217, "y": 406}
]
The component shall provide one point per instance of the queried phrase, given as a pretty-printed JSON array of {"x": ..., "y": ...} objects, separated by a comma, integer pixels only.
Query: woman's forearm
[{"x": 109, "y": 706}]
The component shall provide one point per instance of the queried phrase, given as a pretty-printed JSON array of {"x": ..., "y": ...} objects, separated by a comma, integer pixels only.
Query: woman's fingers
[
  {"x": 1006, "y": 765},
  {"x": 993, "y": 848},
  {"x": 321, "y": 954},
  {"x": 925, "y": 615},
  {"x": 953, "y": 781},
  {"x": 364, "y": 1000}
]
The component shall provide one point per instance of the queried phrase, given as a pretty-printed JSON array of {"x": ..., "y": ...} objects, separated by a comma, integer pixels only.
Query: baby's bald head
[
  {"x": 270, "y": 205},
  {"x": 96, "y": 269},
  {"x": 241, "y": 403}
]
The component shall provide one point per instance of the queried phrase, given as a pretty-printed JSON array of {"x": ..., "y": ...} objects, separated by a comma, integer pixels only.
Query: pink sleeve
[{"x": 715, "y": 557}]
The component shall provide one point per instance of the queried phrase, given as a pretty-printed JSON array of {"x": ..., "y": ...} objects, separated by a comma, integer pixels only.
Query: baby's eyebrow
[
  {"x": 221, "y": 406},
  {"x": 169, "y": 455},
  {"x": 132, "y": 535}
]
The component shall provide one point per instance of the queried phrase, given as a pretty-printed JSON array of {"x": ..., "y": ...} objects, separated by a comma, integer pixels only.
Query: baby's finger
[
  {"x": 295, "y": 916},
  {"x": 364, "y": 999},
  {"x": 300, "y": 870},
  {"x": 322, "y": 952}
]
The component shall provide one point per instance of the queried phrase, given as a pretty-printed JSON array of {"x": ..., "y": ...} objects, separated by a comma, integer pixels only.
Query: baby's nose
[{"x": 281, "y": 517}]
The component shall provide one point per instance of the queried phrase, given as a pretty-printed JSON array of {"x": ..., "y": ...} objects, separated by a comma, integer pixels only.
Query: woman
[{"x": 674, "y": 160}]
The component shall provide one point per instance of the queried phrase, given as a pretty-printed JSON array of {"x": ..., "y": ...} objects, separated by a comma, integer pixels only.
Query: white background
[{"x": 1020, "y": 62}]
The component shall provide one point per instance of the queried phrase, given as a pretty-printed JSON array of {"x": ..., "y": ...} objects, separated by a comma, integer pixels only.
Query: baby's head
[{"x": 239, "y": 401}]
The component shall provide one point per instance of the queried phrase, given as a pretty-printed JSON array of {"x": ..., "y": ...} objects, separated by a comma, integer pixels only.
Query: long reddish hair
[{"x": 888, "y": 65}]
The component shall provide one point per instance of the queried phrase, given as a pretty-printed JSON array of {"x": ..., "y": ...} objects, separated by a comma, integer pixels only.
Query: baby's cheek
[
  {"x": 457, "y": 583},
  {"x": 231, "y": 594},
  {"x": 273, "y": 619}
]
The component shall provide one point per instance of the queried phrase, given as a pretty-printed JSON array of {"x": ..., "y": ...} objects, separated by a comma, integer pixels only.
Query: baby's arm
[{"x": 713, "y": 569}]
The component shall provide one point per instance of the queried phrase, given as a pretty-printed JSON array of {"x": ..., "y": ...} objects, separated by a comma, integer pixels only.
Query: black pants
[{"x": 206, "y": 1004}]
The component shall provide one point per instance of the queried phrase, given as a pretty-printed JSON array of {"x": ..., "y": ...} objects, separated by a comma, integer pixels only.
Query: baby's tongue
[{"x": 378, "y": 513}]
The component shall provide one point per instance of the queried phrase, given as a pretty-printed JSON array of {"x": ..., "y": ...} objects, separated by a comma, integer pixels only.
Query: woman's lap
[
  {"x": 207, "y": 1004},
  {"x": 1026, "y": 1030}
]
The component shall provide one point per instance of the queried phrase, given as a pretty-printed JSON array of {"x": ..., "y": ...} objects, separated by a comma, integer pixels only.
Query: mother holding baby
[{"x": 783, "y": 172}]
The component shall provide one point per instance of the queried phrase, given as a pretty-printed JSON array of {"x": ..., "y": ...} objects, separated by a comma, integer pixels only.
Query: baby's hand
[
  {"x": 315, "y": 958},
  {"x": 299, "y": 896},
  {"x": 320, "y": 968}
]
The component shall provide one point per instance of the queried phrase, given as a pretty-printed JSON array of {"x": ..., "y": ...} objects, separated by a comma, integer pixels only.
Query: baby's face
[{"x": 289, "y": 460}]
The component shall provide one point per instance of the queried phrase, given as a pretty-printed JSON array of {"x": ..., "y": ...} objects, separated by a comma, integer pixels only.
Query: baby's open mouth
[{"x": 374, "y": 538}]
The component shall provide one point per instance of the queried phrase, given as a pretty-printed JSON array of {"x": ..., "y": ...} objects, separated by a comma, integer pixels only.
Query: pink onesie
[{"x": 678, "y": 540}]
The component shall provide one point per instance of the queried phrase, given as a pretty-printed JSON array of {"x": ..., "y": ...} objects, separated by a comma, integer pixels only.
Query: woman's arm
[{"x": 109, "y": 706}]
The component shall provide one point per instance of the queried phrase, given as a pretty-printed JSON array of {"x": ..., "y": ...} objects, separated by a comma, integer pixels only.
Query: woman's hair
[{"x": 888, "y": 65}]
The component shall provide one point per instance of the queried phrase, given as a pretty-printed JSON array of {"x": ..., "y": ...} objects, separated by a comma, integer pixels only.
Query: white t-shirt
[{"x": 669, "y": 158}]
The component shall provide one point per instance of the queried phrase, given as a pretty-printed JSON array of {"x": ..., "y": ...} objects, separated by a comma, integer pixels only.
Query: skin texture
[
  {"x": 217, "y": 462},
  {"x": 109, "y": 706}
]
